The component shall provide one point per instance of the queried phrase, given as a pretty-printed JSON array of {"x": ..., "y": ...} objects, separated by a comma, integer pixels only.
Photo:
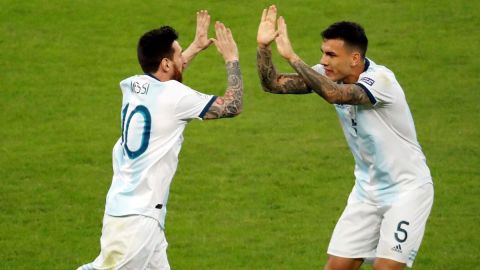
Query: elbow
[
  {"x": 270, "y": 87},
  {"x": 238, "y": 110},
  {"x": 267, "y": 88},
  {"x": 234, "y": 108}
]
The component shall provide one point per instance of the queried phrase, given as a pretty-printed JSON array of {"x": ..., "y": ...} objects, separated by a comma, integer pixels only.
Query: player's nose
[{"x": 323, "y": 60}]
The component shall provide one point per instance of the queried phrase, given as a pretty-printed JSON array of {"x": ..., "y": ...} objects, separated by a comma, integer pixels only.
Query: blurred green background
[{"x": 261, "y": 191}]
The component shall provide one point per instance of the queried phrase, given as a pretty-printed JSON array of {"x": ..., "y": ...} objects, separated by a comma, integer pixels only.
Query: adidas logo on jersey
[{"x": 397, "y": 248}]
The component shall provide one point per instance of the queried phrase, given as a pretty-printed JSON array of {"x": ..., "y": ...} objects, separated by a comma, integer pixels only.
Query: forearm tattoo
[
  {"x": 328, "y": 89},
  {"x": 277, "y": 83},
  {"x": 231, "y": 103}
]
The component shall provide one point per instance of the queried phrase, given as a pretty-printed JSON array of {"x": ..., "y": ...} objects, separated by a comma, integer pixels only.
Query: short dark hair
[
  {"x": 155, "y": 45},
  {"x": 350, "y": 32}
]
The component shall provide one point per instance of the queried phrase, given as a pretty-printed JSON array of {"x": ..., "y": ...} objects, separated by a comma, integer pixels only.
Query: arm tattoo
[
  {"x": 278, "y": 83},
  {"x": 232, "y": 101},
  {"x": 328, "y": 89}
]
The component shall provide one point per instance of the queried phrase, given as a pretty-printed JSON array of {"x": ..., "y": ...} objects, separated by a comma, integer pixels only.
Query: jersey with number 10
[{"x": 153, "y": 117}]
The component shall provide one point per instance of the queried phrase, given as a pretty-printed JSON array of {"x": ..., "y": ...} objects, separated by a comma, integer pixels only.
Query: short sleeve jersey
[
  {"x": 153, "y": 117},
  {"x": 382, "y": 138}
]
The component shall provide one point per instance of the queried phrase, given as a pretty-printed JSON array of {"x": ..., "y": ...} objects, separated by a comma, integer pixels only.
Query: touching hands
[{"x": 225, "y": 43}]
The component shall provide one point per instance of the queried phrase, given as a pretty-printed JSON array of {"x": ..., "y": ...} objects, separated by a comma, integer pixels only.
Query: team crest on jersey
[{"x": 368, "y": 81}]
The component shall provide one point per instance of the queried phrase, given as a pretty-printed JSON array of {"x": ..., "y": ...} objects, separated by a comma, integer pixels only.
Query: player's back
[{"x": 153, "y": 117}]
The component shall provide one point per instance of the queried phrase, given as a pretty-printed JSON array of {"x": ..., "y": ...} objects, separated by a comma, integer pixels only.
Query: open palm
[
  {"x": 284, "y": 46},
  {"x": 266, "y": 30},
  {"x": 201, "y": 36}
]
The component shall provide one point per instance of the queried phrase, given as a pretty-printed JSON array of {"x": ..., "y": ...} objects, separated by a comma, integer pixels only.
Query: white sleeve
[
  {"x": 193, "y": 105},
  {"x": 378, "y": 87},
  {"x": 319, "y": 68}
]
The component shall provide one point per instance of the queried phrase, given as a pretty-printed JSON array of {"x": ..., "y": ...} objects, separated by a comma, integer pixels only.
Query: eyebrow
[{"x": 330, "y": 53}]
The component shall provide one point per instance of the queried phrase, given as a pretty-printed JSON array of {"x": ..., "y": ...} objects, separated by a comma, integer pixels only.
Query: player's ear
[
  {"x": 356, "y": 58},
  {"x": 165, "y": 65}
]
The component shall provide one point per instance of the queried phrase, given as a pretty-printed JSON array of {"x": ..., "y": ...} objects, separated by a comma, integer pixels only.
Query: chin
[{"x": 331, "y": 77}]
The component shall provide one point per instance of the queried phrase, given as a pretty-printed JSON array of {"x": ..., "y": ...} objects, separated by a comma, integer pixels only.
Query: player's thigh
[
  {"x": 357, "y": 231},
  {"x": 159, "y": 260},
  {"x": 404, "y": 225},
  {"x": 127, "y": 242}
]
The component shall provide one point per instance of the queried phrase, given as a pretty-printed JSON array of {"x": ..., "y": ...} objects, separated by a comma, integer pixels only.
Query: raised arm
[
  {"x": 332, "y": 92},
  {"x": 201, "y": 41},
  {"x": 231, "y": 103},
  {"x": 329, "y": 90},
  {"x": 272, "y": 81}
]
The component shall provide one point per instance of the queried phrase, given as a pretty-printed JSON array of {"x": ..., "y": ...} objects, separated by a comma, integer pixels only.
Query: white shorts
[
  {"x": 131, "y": 242},
  {"x": 393, "y": 232}
]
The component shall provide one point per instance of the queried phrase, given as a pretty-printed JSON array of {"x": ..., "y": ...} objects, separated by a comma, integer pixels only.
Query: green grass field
[{"x": 261, "y": 191}]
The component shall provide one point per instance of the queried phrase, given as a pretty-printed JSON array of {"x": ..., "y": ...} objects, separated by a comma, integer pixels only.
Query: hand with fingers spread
[
  {"x": 201, "y": 41},
  {"x": 225, "y": 43},
  {"x": 201, "y": 35},
  {"x": 266, "y": 30},
  {"x": 284, "y": 46}
]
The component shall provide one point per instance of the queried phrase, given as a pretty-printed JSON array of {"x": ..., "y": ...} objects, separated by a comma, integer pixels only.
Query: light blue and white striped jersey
[
  {"x": 382, "y": 138},
  {"x": 153, "y": 117}
]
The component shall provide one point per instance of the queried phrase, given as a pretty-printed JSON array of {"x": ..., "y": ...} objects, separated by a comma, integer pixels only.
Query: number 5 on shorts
[{"x": 401, "y": 234}]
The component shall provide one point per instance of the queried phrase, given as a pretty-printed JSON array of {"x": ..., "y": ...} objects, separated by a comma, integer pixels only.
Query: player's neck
[
  {"x": 356, "y": 71},
  {"x": 161, "y": 76}
]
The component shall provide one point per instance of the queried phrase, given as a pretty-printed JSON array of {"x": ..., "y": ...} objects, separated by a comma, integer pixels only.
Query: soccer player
[
  {"x": 156, "y": 108},
  {"x": 386, "y": 213}
]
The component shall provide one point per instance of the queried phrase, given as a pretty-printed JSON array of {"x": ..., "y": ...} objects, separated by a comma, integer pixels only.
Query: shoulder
[
  {"x": 319, "y": 68},
  {"x": 376, "y": 74},
  {"x": 178, "y": 87}
]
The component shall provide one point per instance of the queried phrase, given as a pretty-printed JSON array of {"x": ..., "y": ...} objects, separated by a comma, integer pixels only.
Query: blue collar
[
  {"x": 148, "y": 74},
  {"x": 367, "y": 64}
]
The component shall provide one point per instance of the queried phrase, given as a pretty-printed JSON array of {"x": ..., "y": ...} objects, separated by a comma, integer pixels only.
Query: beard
[{"x": 177, "y": 74}]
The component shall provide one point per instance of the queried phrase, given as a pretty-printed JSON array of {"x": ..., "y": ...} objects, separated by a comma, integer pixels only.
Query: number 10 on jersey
[{"x": 145, "y": 135}]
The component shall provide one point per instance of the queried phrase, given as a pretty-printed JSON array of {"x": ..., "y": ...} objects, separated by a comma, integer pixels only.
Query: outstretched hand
[
  {"x": 201, "y": 35},
  {"x": 225, "y": 43},
  {"x": 284, "y": 46},
  {"x": 201, "y": 41},
  {"x": 266, "y": 30}
]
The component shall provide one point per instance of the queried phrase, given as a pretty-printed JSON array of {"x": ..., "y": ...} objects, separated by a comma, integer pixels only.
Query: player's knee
[
  {"x": 386, "y": 264},
  {"x": 339, "y": 263}
]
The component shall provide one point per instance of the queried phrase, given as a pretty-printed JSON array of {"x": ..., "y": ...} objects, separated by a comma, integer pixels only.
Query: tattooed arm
[
  {"x": 332, "y": 92},
  {"x": 272, "y": 81},
  {"x": 329, "y": 90},
  {"x": 278, "y": 83},
  {"x": 231, "y": 104}
]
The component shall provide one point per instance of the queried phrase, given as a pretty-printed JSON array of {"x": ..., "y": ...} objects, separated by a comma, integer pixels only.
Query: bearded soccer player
[
  {"x": 156, "y": 108},
  {"x": 386, "y": 212}
]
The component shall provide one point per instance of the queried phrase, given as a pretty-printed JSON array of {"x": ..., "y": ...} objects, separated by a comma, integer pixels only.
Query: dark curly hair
[{"x": 155, "y": 45}]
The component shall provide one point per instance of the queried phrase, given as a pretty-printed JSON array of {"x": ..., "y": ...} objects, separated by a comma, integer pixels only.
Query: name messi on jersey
[{"x": 139, "y": 88}]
